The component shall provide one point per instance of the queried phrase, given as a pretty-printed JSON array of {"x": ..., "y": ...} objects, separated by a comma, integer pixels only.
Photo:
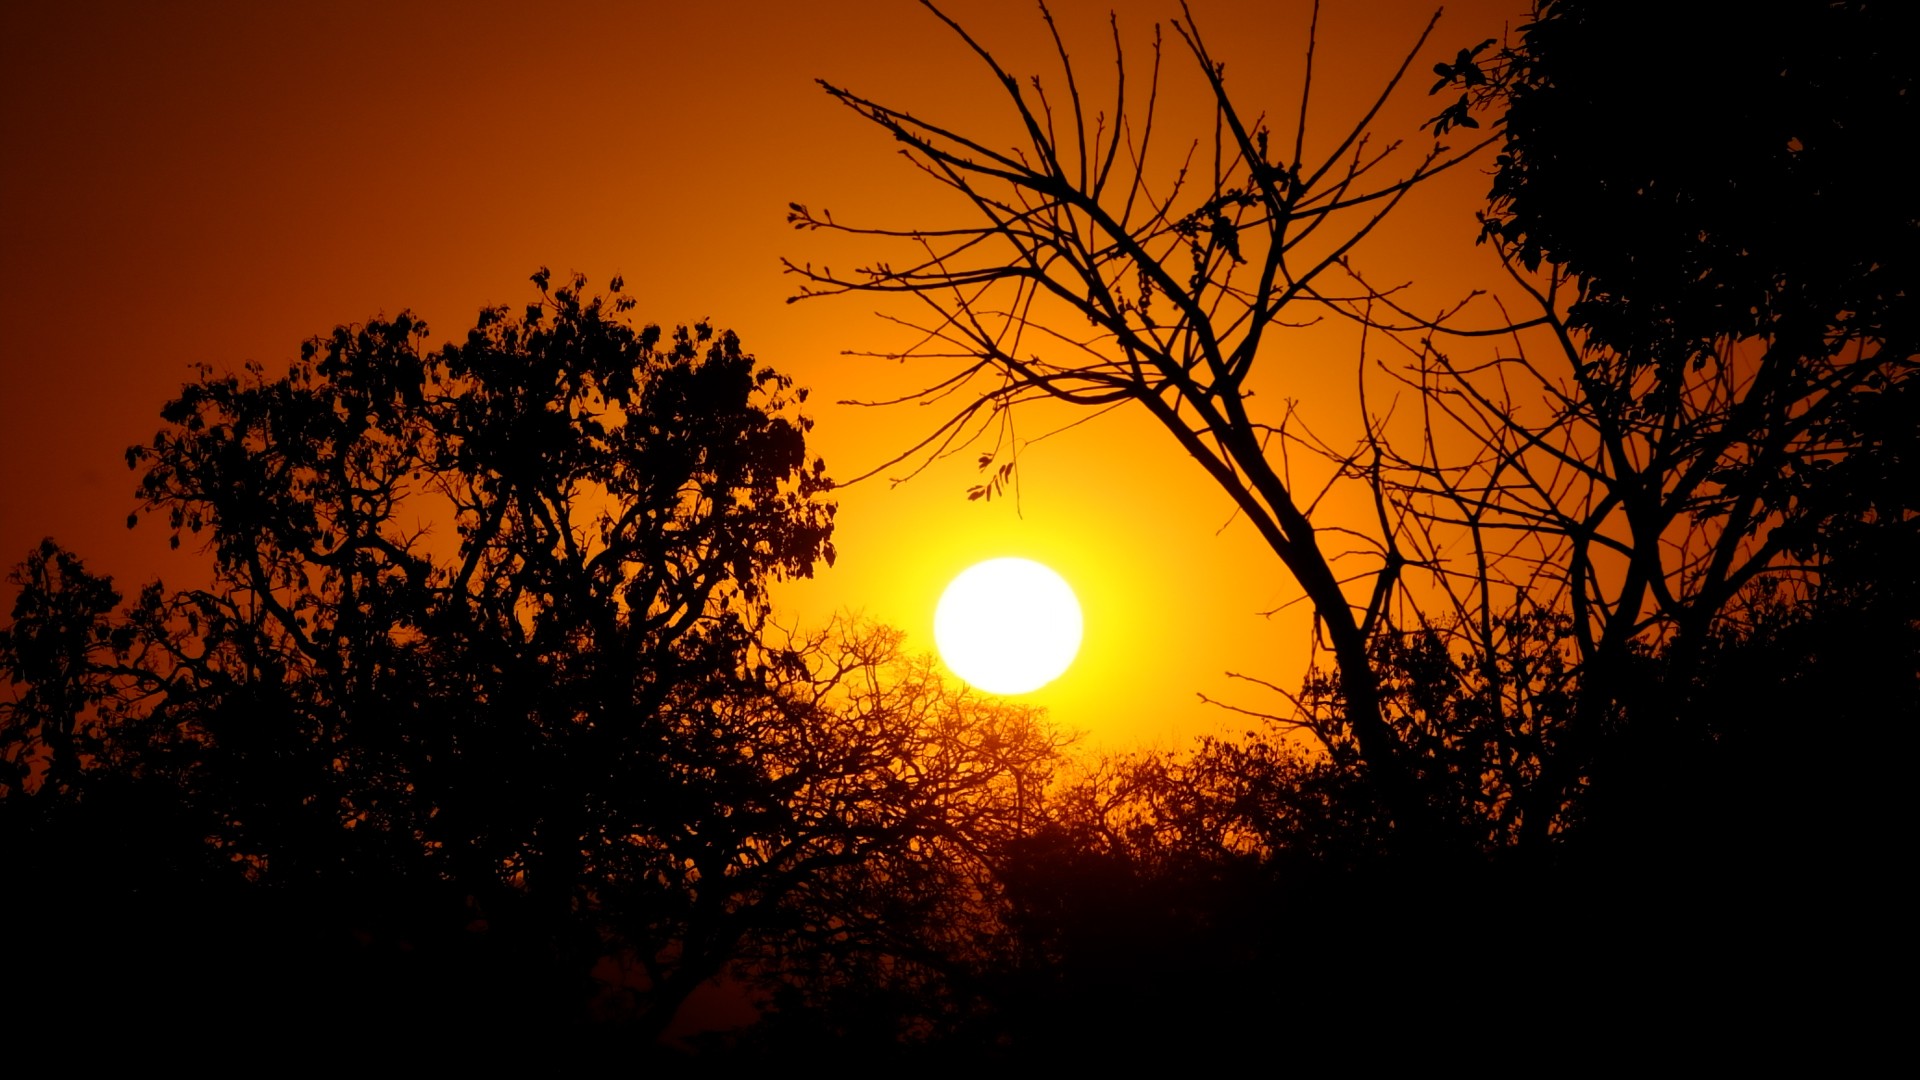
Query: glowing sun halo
[{"x": 1008, "y": 625}]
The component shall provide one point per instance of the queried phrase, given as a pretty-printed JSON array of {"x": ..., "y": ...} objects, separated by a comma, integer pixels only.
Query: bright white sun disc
[{"x": 1008, "y": 626}]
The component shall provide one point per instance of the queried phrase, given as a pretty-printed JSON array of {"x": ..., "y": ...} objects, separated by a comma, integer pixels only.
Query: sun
[{"x": 1008, "y": 626}]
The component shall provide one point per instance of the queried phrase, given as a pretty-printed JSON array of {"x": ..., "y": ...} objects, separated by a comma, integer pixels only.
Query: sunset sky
[{"x": 215, "y": 183}]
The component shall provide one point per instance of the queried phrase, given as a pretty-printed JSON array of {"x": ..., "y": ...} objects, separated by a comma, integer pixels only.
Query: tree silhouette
[
  {"x": 1182, "y": 275},
  {"x": 1727, "y": 384},
  {"x": 484, "y": 688},
  {"x": 1700, "y": 408}
]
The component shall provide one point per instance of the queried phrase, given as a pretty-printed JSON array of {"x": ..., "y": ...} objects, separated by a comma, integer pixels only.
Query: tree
[
  {"x": 1696, "y": 405},
  {"x": 483, "y": 680},
  {"x": 1721, "y": 411},
  {"x": 59, "y": 620},
  {"x": 1183, "y": 275}
]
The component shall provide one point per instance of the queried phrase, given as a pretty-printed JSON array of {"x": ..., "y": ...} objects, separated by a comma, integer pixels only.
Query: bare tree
[{"x": 1183, "y": 275}]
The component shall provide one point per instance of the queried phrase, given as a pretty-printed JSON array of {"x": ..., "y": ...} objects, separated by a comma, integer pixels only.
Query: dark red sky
[{"x": 215, "y": 182}]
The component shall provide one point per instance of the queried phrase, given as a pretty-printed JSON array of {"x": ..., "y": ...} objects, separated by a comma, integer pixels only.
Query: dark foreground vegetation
[{"x": 481, "y": 743}]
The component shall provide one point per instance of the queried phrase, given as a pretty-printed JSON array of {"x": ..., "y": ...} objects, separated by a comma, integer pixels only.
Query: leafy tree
[
  {"x": 1727, "y": 266},
  {"x": 481, "y": 699},
  {"x": 1723, "y": 177},
  {"x": 59, "y": 621}
]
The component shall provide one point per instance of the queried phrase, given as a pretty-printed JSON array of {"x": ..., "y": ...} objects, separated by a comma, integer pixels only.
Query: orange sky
[{"x": 216, "y": 182}]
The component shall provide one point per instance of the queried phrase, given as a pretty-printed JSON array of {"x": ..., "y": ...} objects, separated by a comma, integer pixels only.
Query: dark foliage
[
  {"x": 481, "y": 727},
  {"x": 1710, "y": 211},
  {"x": 1707, "y": 174},
  {"x": 479, "y": 721}
]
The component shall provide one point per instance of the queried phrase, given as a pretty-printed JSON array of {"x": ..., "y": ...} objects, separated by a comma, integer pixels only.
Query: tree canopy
[
  {"x": 486, "y": 671},
  {"x": 1704, "y": 175}
]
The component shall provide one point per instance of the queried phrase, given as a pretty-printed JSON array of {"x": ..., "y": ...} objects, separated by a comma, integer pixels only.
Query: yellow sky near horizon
[{"x": 217, "y": 182}]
